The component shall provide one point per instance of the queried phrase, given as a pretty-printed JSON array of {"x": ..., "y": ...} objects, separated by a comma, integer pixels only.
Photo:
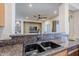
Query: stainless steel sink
[
  {"x": 39, "y": 47},
  {"x": 49, "y": 45},
  {"x": 33, "y": 49}
]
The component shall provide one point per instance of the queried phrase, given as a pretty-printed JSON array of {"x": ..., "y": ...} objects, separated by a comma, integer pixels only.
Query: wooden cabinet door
[
  {"x": 62, "y": 53},
  {"x": 2, "y": 15},
  {"x": 74, "y": 52}
]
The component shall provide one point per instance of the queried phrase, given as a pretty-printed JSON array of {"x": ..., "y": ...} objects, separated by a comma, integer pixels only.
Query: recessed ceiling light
[
  {"x": 55, "y": 12},
  {"x": 30, "y": 5}
]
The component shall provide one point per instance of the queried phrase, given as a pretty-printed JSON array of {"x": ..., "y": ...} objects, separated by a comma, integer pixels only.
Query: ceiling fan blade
[
  {"x": 34, "y": 16},
  {"x": 39, "y": 17},
  {"x": 44, "y": 17}
]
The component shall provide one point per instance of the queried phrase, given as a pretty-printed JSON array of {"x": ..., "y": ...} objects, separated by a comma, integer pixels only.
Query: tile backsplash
[{"x": 42, "y": 37}]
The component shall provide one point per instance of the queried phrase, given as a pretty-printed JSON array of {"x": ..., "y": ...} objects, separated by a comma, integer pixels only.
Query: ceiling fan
[{"x": 39, "y": 17}]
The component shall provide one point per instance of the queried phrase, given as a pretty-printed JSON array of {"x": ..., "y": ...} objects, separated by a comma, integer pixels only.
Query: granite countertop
[
  {"x": 48, "y": 52},
  {"x": 10, "y": 42},
  {"x": 18, "y": 41},
  {"x": 73, "y": 43},
  {"x": 15, "y": 35}
]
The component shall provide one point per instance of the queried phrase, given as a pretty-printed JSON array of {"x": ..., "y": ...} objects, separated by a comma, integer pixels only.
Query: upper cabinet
[{"x": 2, "y": 15}]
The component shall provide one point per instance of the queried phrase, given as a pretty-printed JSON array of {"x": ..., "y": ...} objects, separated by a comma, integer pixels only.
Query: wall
[
  {"x": 28, "y": 24},
  {"x": 7, "y": 29},
  {"x": 46, "y": 26},
  {"x": 74, "y": 24}
]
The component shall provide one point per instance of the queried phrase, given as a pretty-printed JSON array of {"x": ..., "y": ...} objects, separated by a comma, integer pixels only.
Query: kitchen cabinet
[
  {"x": 73, "y": 51},
  {"x": 62, "y": 53},
  {"x": 2, "y": 15}
]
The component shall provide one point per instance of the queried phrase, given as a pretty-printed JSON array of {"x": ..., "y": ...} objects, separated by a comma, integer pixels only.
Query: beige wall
[
  {"x": 28, "y": 24},
  {"x": 74, "y": 24}
]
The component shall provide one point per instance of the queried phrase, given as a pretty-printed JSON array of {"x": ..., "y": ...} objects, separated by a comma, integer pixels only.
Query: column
[{"x": 64, "y": 18}]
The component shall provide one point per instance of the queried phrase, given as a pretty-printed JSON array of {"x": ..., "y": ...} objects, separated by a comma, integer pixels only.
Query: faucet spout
[{"x": 38, "y": 38}]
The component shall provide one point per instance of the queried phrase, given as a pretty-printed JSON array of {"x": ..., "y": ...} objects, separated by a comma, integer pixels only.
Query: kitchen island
[
  {"x": 16, "y": 45},
  {"x": 16, "y": 48}
]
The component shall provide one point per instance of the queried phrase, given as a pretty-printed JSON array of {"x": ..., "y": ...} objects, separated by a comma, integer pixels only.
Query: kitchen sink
[
  {"x": 33, "y": 49},
  {"x": 49, "y": 45},
  {"x": 39, "y": 47}
]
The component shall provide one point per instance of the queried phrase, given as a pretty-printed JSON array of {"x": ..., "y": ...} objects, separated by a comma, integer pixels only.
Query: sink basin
[
  {"x": 33, "y": 49},
  {"x": 49, "y": 45}
]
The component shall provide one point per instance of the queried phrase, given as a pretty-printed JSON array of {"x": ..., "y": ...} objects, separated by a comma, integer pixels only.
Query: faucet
[{"x": 38, "y": 38}]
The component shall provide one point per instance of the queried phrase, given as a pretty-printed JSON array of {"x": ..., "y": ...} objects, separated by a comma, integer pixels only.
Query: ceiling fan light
[{"x": 30, "y": 5}]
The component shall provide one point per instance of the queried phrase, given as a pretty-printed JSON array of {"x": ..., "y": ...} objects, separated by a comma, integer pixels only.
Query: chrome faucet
[{"x": 37, "y": 38}]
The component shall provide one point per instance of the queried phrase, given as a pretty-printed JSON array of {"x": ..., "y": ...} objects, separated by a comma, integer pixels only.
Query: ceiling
[
  {"x": 44, "y": 9},
  {"x": 74, "y": 6}
]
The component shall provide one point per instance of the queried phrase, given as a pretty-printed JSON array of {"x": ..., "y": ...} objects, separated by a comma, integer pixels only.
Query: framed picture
[{"x": 33, "y": 29}]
